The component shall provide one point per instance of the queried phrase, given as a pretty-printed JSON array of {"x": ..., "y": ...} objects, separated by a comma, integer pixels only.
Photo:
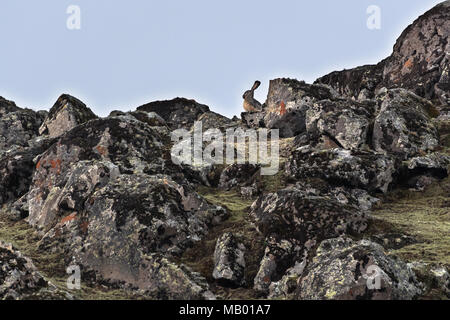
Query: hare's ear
[{"x": 256, "y": 85}]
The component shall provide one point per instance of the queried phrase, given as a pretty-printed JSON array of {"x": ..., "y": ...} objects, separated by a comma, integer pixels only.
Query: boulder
[
  {"x": 339, "y": 167},
  {"x": 236, "y": 175},
  {"x": 278, "y": 257},
  {"x": 17, "y": 128},
  {"x": 345, "y": 122},
  {"x": 178, "y": 113},
  {"x": 343, "y": 269},
  {"x": 402, "y": 126},
  {"x": 287, "y": 103},
  {"x": 292, "y": 214},
  {"x": 67, "y": 113},
  {"x": 420, "y": 172},
  {"x": 125, "y": 229},
  {"x": 229, "y": 263},
  {"x": 253, "y": 119},
  {"x": 129, "y": 145}
]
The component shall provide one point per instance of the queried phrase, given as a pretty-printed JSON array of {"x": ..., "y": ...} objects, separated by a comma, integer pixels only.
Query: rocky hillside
[{"x": 362, "y": 190}]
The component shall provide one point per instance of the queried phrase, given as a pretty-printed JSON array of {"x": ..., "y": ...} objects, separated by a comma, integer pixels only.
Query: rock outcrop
[
  {"x": 419, "y": 63},
  {"x": 67, "y": 113},
  {"x": 108, "y": 195},
  {"x": 229, "y": 262},
  {"x": 343, "y": 269}
]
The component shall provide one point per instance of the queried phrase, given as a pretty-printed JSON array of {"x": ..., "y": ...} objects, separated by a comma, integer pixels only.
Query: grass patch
[{"x": 423, "y": 215}]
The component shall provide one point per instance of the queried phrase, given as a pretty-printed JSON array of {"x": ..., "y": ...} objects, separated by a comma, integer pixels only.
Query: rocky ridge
[{"x": 104, "y": 194}]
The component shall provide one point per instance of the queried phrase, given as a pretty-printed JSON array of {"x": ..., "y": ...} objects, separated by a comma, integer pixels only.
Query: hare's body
[{"x": 250, "y": 103}]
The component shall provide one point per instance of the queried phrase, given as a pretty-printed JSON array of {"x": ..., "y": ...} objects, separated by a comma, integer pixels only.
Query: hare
[{"x": 250, "y": 103}]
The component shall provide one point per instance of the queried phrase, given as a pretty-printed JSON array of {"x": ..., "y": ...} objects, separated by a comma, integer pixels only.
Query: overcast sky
[{"x": 131, "y": 52}]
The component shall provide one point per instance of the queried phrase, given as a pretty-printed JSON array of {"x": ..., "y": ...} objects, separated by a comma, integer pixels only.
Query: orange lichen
[
  {"x": 102, "y": 150},
  {"x": 282, "y": 108},
  {"x": 69, "y": 218},
  {"x": 408, "y": 64},
  {"x": 84, "y": 226},
  {"x": 56, "y": 164},
  {"x": 39, "y": 164}
]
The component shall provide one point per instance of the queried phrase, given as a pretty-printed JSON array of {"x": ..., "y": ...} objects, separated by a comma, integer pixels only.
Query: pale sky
[{"x": 128, "y": 53}]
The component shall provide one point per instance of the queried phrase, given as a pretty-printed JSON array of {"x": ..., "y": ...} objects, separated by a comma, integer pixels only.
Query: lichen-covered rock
[
  {"x": 67, "y": 113},
  {"x": 343, "y": 269},
  {"x": 402, "y": 126},
  {"x": 291, "y": 214},
  {"x": 420, "y": 172},
  {"x": 253, "y": 119},
  {"x": 278, "y": 257},
  {"x": 435, "y": 163},
  {"x": 178, "y": 113},
  {"x": 110, "y": 226},
  {"x": 17, "y": 167},
  {"x": 229, "y": 262},
  {"x": 287, "y": 103},
  {"x": 339, "y": 167},
  {"x": 7, "y": 106},
  {"x": 20, "y": 280},
  {"x": 212, "y": 120},
  {"x": 130, "y": 145},
  {"x": 238, "y": 175},
  {"x": 17, "y": 128},
  {"x": 433, "y": 277},
  {"x": 285, "y": 288},
  {"x": 419, "y": 63},
  {"x": 346, "y": 122},
  {"x": 357, "y": 83}
]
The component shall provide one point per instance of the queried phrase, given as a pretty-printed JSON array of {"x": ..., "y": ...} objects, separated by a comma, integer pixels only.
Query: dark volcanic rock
[
  {"x": 229, "y": 263},
  {"x": 347, "y": 270},
  {"x": 66, "y": 113},
  {"x": 178, "y": 113}
]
